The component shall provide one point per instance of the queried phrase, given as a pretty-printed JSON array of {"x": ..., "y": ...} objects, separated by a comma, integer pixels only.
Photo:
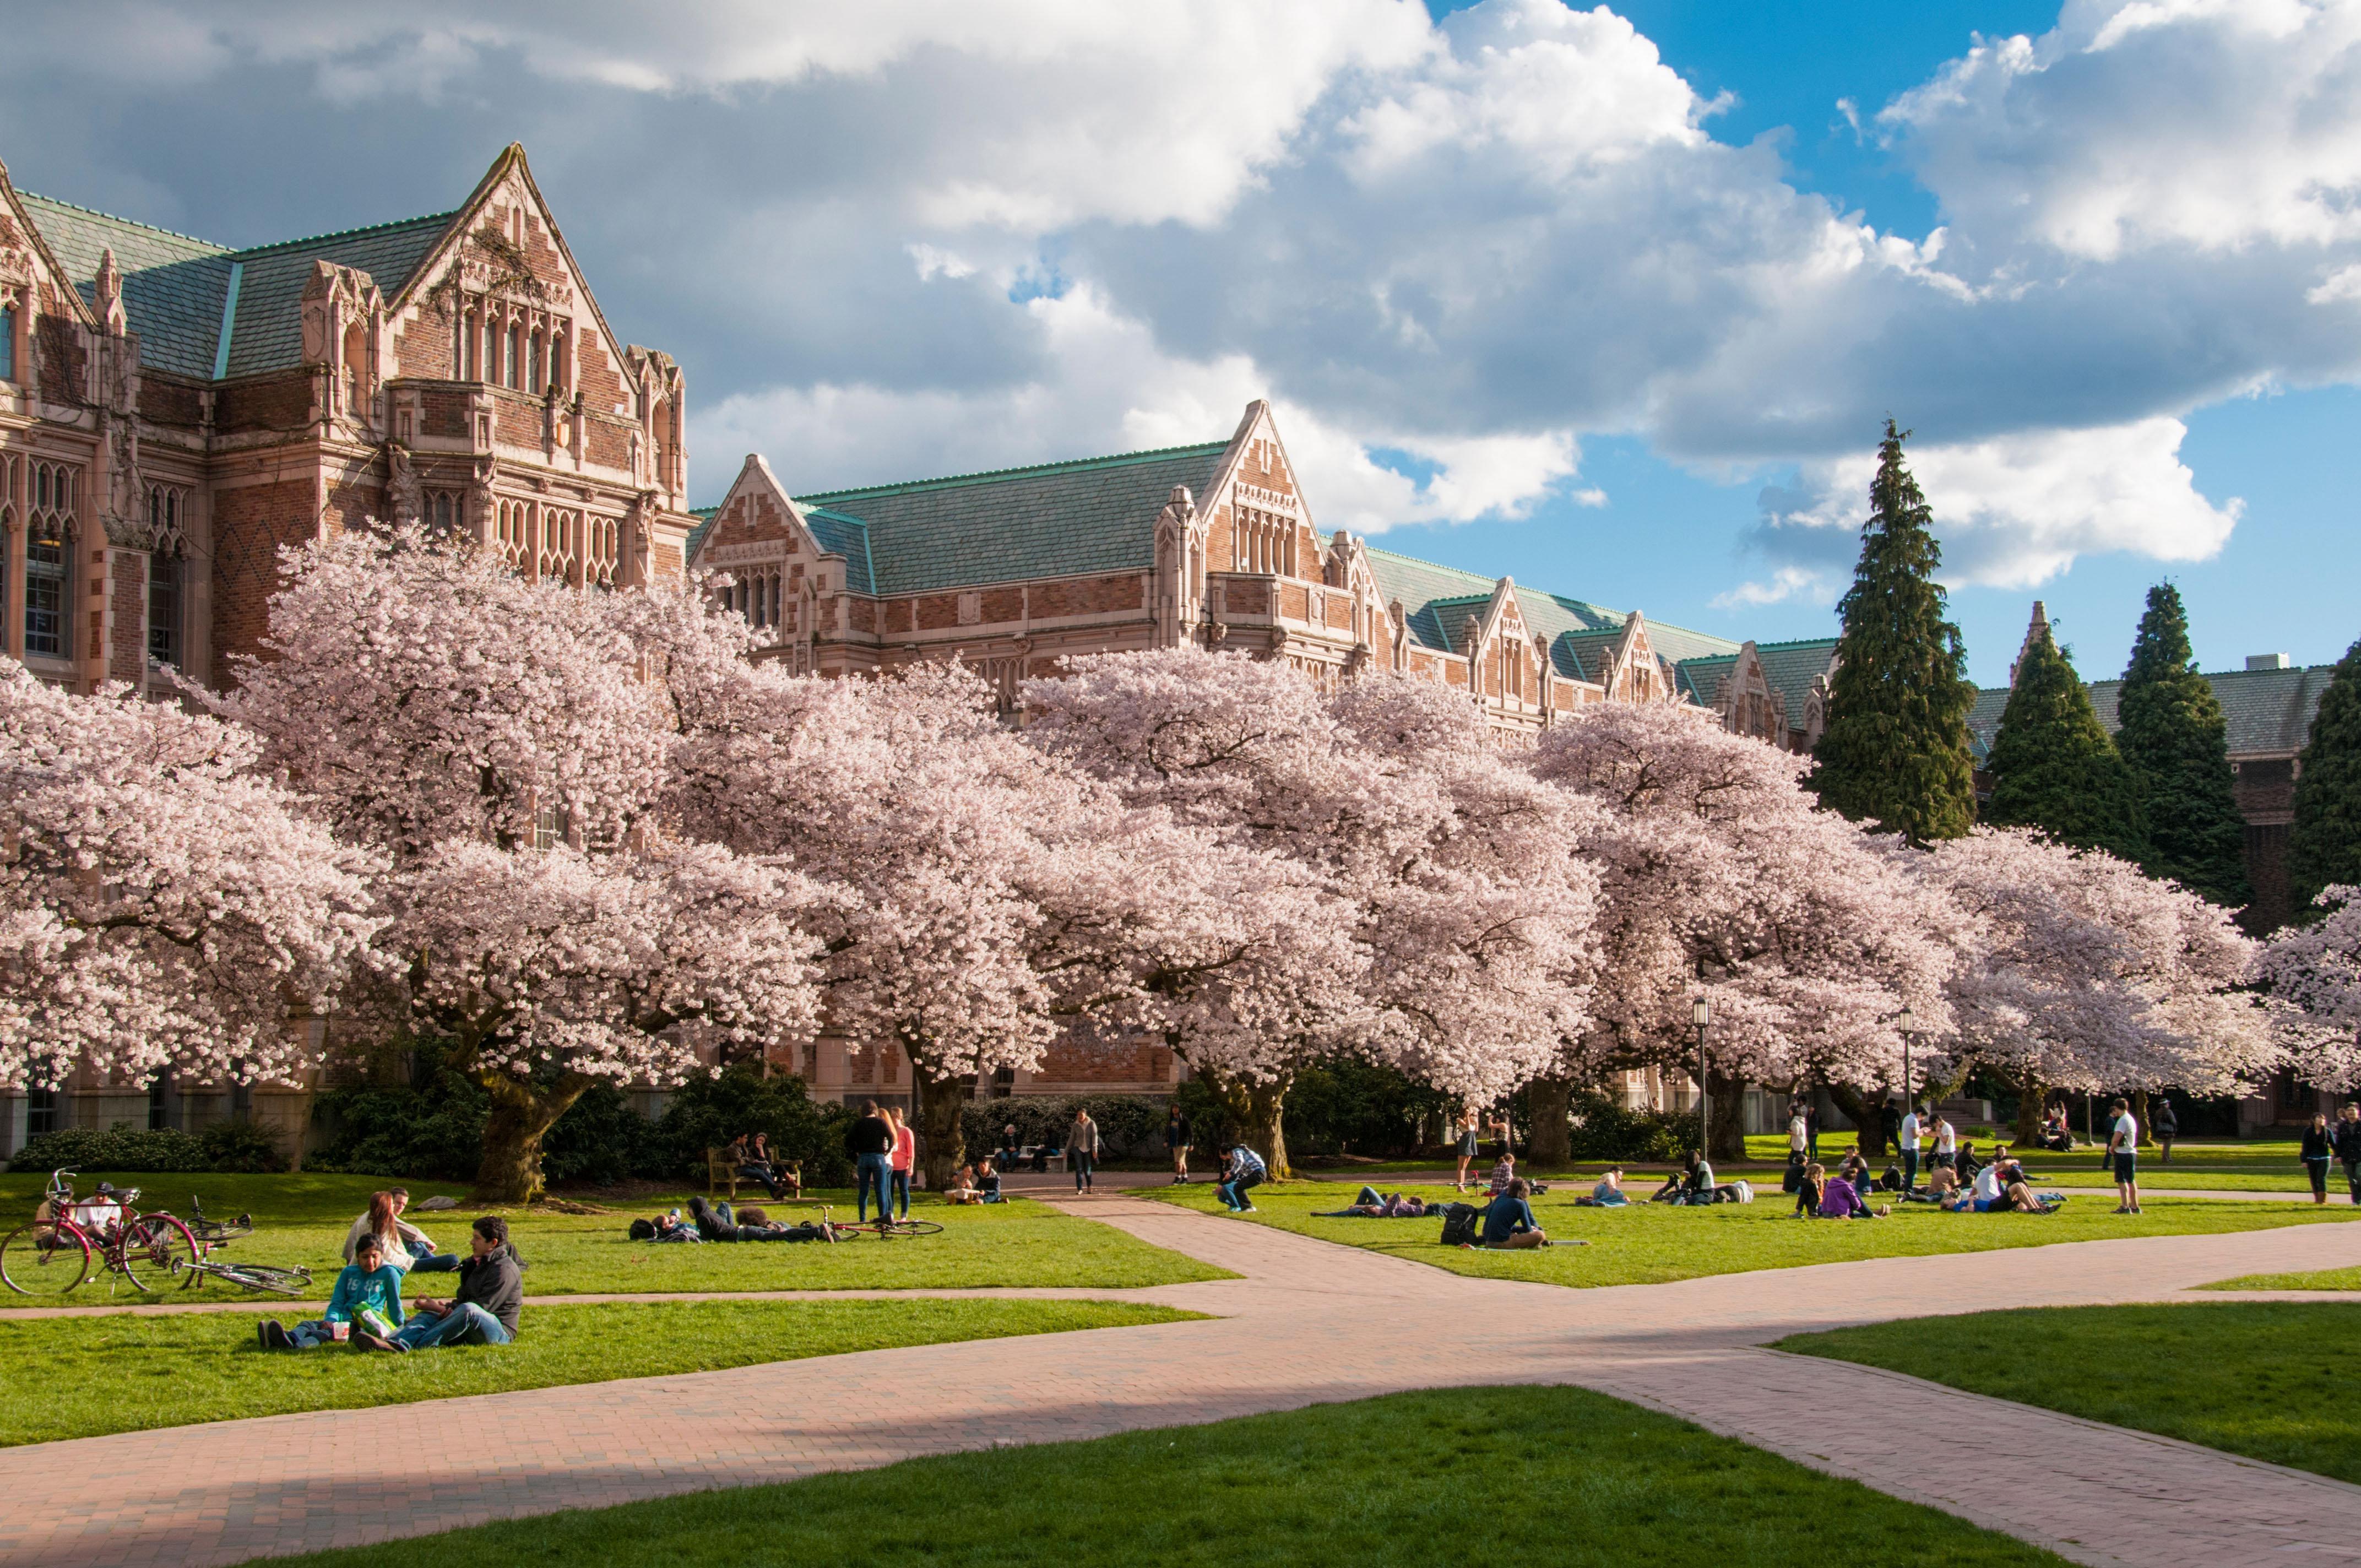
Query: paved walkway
[{"x": 1309, "y": 1323}]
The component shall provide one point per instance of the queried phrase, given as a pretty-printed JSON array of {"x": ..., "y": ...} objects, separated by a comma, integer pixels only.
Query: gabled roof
[
  {"x": 1439, "y": 600},
  {"x": 705, "y": 516},
  {"x": 1790, "y": 667},
  {"x": 839, "y": 535},
  {"x": 1053, "y": 519},
  {"x": 175, "y": 287},
  {"x": 2267, "y": 713}
]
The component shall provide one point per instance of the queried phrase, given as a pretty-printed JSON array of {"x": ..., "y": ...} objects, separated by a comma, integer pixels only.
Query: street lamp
[
  {"x": 1906, "y": 1021},
  {"x": 1701, "y": 1014}
]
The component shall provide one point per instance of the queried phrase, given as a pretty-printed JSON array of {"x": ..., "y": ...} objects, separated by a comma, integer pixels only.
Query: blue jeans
[
  {"x": 1082, "y": 1164},
  {"x": 901, "y": 1191},
  {"x": 1233, "y": 1194},
  {"x": 1909, "y": 1169},
  {"x": 874, "y": 1170},
  {"x": 466, "y": 1323},
  {"x": 424, "y": 1259}
]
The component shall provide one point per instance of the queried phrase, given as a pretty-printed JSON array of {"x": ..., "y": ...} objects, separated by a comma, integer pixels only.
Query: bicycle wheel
[
  {"x": 158, "y": 1252},
  {"x": 44, "y": 1260},
  {"x": 263, "y": 1277},
  {"x": 912, "y": 1228}
]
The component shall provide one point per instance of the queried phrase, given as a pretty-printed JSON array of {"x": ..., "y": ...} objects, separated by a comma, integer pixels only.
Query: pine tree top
[
  {"x": 2172, "y": 733},
  {"x": 2053, "y": 765},
  {"x": 2324, "y": 845}
]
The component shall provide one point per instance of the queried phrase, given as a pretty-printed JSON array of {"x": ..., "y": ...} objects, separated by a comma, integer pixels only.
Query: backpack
[
  {"x": 1891, "y": 1181},
  {"x": 1792, "y": 1178},
  {"x": 1459, "y": 1223}
]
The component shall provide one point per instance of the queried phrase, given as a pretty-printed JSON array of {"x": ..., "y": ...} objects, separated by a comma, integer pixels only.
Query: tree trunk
[
  {"x": 521, "y": 1117},
  {"x": 1728, "y": 1125},
  {"x": 1862, "y": 1111},
  {"x": 1259, "y": 1110},
  {"x": 942, "y": 1145},
  {"x": 1548, "y": 1104},
  {"x": 2028, "y": 1111},
  {"x": 2139, "y": 1114}
]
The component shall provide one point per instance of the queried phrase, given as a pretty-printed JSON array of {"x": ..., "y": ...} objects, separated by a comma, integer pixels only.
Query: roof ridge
[
  {"x": 1795, "y": 643},
  {"x": 346, "y": 233},
  {"x": 118, "y": 218},
  {"x": 1207, "y": 447}
]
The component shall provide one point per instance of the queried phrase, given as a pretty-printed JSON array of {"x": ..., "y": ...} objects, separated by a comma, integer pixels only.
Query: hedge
[{"x": 226, "y": 1145}]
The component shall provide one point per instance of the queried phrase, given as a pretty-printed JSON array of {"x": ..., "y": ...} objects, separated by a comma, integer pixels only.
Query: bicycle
[
  {"x": 883, "y": 1228},
  {"x": 290, "y": 1281},
  {"x": 52, "y": 1253}
]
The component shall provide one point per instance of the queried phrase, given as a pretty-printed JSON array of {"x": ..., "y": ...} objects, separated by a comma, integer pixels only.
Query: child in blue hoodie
[{"x": 368, "y": 1296}]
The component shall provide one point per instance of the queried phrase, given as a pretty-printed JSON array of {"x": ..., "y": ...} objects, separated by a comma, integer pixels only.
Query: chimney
[
  {"x": 2269, "y": 662},
  {"x": 2034, "y": 631}
]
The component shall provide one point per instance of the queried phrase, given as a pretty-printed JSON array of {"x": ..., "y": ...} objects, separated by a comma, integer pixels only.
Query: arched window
[
  {"x": 463, "y": 362},
  {"x": 558, "y": 361},
  {"x": 514, "y": 368},
  {"x": 48, "y": 560},
  {"x": 8, "y": 342},
  {"x": 490, "y": 372},
  {"x": 533, "y": 366}
]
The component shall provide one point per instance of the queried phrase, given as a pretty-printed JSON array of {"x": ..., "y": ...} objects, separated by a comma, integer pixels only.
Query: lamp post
[
  {"x": 1701, "y": 1014},
  {"x": 1906, "y": 1021}
]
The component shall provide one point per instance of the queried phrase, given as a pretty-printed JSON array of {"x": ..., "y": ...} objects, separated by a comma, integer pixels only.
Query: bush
[
  {"x": 118, "y": 1149},
  {"x": 1351, "y": 1107},
  {"x": 707, "y": 1112},
  {"x": 434, "y": 1133},
  {"x": 1604, "y": 1129},
  {"x": 240, "y": 1147},
  {"x": 1131, "y": 1126}
]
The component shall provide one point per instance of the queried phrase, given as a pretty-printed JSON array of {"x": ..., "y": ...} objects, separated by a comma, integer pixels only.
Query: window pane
[
  {"x": 45, "y": 586},
  {"x": 164, "y": 610},
  {"x": 8, "y": 344}
]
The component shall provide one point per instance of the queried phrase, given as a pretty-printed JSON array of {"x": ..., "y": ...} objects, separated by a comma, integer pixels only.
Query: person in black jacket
[
  {"x": 2319, "y": 1148},
  {"x": 870, "y": 1142},
  {"x": 2164, "y": 1125},
  {"x": 2347, "y": 1134},
  {"x": 490, "y": 1300}
]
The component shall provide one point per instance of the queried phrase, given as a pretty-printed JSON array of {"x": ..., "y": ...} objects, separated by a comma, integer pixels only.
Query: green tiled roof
[
  {"x": 1055, "y": 520},
  {"x": 704, "y": 516},
  {"x": 1790, "y": 666},
  {"x": 2266, "y": 712},
  {"x": 174, "y": 287},
  {"x": 840, "y": 534},
  {"x": 269, "y": 334}
]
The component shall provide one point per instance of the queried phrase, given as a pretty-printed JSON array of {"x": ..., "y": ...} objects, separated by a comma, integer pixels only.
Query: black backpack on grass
[{"x": 1459, "y": 1221}]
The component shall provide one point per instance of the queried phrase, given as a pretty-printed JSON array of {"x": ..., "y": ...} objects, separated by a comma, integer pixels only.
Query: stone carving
[
  {"x": 480, "y": 497},
  {"x": 401, "y": 497},
  {"x": 638, "y": 543}
]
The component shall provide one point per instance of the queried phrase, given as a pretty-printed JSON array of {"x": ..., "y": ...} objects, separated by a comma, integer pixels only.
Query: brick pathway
[{"x": 1311, "y": 1322}]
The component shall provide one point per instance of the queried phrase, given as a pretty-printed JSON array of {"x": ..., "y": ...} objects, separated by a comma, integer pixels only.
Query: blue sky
[{"x": 1611, "y": 302}]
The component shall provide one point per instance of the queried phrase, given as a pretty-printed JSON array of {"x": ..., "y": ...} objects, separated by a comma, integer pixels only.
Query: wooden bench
[{"x": 720, "y": 1171}]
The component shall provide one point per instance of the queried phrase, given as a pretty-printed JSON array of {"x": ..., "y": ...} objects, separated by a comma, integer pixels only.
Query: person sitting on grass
[
  {"x": 406, "y": 1247},
  {"x": 1840, "y": 1200},
  {"x": 368, "y": 1300},
  {"x": 1504, "y": 1172},
  {"x": 1810, "y": 1189},
  {"x": 967, "y": 1186},
  {"x": 490, "y": 1300},
  {"x": 1942, "y": 1186},
  {"x": 1608, "y": 1193},
  {"x": 1509, "y": 1223},
  {"x": 1241, "y": 1168},
  {"x": 1693, "y": 1183}
]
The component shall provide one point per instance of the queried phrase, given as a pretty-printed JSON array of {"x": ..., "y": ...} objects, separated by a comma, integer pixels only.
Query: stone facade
[{"x": 172, "y": 411}]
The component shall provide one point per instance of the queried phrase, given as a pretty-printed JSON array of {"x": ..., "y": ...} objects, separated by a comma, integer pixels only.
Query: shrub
[
  {"x": 1604, "y": 1129},
  {"x": 118, "y": 1149},
  {"x": 709, "y": 1112},
  {"x": 241, "y": 1146},
  {"x": 1352, "y": 1107},
  {"x": 1131, "y": 1126}
]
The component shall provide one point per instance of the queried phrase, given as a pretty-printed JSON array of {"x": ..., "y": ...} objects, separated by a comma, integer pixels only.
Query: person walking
[
  {"x": 2319, "y": 1147},
  {"x": 1812, "y": 1130},
  {"x": 1176, "y": 1142},
  {"x": 1082, "y": 1148},
  {"x": 2123, "y": 1148},
  {"x": 870, "y": 1142},
  {"x": 901, "y": 1159},
  {"x": 1469, "y": 1123},
  {"x": 1889, "y": 1128},
  {"x": 2348, "y": 1149},
  {"x": 2165, "y": 1124},
  {"x": 1907, "y": 1134}
]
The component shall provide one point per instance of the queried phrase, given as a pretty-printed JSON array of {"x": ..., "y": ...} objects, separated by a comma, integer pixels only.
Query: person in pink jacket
[{"x": 905, "y": 1154}]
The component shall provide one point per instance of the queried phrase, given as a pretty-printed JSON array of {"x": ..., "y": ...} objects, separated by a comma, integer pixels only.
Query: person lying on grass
[
  {"x": 490, "y": 1300},
  {"x": 1608, "y": 1193},
  {"x": 406, "y": 1247},
  {"x": 715, "y": 1222},
  {"x": 1508, "y": 1222},
  {"x": 365, "y": 1305},
  {"x": 1370, "y": 1205}
]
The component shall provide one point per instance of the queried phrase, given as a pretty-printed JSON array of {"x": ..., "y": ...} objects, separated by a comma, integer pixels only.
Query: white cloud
[{"x": 2012, "y": 511}]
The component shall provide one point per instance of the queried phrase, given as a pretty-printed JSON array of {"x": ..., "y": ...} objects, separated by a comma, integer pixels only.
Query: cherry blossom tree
[
  {"x": 1721, "y": 876},
  {"x": 2082, "y": 973},
  {"x": 506, "y": 744},
  {"x": 166, "y": 906},
  {"x": 2317, "y": 967},
  {"x": 1440, "y": 903}
]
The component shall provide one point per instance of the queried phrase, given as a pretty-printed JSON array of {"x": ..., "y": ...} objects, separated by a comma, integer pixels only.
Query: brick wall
[
  {"x": 606, "y": 443},
  {"x": 251, "y": 521},
  {"x": 1294, "y": 602},
  {"x": 166, "y": 400},
  {"x": 352, "y": 503},
  {"x": 444, "y": 414},
  {"x": 516, "y": 419},
  {"x": 276, "y": 403},
  {"x": 58, "y": 347},
  {"x": 424, "y": 344},
  {"x": 126, "y": 654},
  {"x": 1242, "y": 597},
  {"x": 1089, "y": 596}
]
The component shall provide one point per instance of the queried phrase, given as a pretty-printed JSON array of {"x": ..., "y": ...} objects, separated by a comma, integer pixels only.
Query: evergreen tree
[
  {"x": 2052, "y": 765},
  {"x": 2170, "y": 731},
  {"x": 1895, "y": 747},
  {"x": 2324, "y": 847}
]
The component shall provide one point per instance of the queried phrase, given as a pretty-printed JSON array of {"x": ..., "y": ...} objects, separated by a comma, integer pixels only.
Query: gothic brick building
[{"x": 172, "y": 411}]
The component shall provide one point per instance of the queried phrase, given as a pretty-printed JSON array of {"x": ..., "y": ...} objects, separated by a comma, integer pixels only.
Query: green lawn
[
  {"x": 302, "y": 1220},
  {"x": 2325, "y": 1280},
  {"x": 1482, "y": 1475},
  {"x": 2268, "y": 1379},
  {"x": 86, "y": 1377},
  {"x": 1649, "y": 1243}
]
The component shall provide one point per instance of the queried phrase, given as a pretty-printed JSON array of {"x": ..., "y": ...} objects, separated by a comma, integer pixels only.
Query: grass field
[
  {"x": 302, "y": 1220},
  {"x": 1559, "y": 1475},
  {"x": 85, "y": 1377},
  {"x": 1648, "y": 1243},
  {"x": 2268, "y": 1379},
  {"x": 2325, "y": 1280}
]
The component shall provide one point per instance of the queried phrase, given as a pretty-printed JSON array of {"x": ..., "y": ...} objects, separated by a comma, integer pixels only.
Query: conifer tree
[
  {"x": 2053, "y": 766},
  {"x": 2325, "y": 846},
  {"x": 1895, "y": 747},
  {"x": 2171, "y": 734}
]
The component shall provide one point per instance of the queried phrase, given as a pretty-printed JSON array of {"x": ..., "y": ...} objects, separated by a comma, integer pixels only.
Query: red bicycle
[{"x": 55, "y": 1253}]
